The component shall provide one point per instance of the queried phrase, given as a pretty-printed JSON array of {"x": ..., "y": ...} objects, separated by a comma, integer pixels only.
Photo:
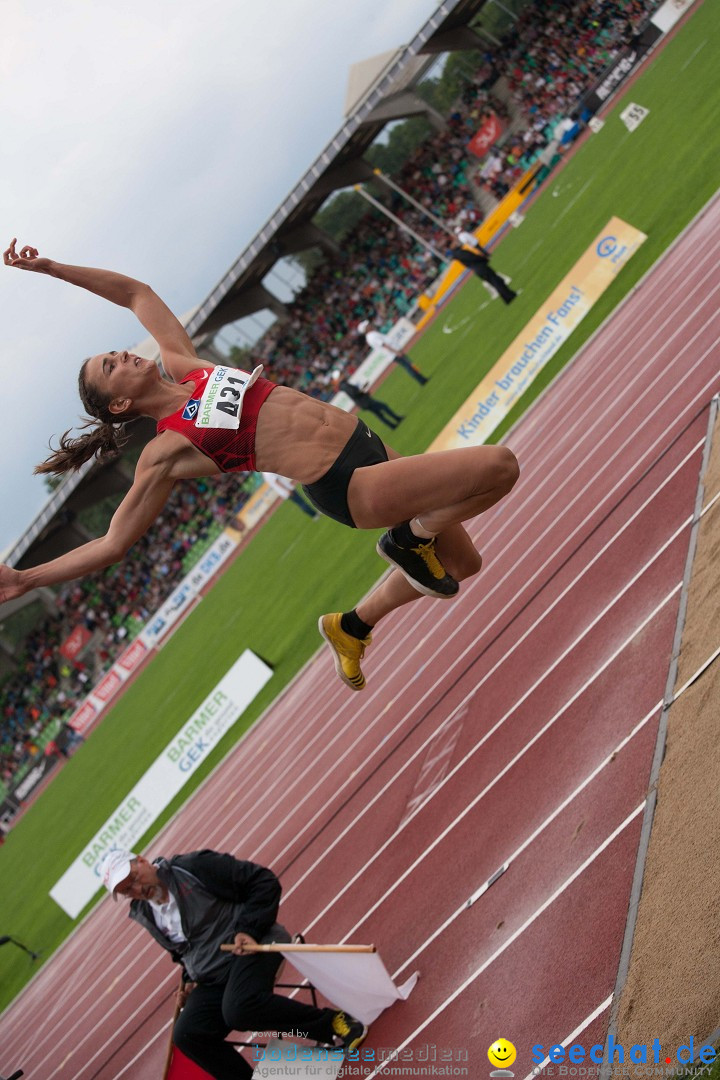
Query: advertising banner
[
  {"x": 669, "y": 13},
  {"x": 546, "y": 332},
  {"x": 74, "y": 643},
  {"x": 84, "y": 717},
  {"x": 108, "y": 687},
  {"x": 184, "y": 595},
  {"x": 133, "y": 656},
  {"x": 488, "y": 134},
  {"x": 176, "y": 605},
  {"x": 163, "y": 780},
  {"x": 34, "y": 777},
  {"x": 257, "y": 506},
  {"x": 617, "y": 72}
]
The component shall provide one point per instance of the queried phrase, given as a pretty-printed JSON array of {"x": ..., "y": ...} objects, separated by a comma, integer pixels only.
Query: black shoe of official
[
  {"x": 420, "y": 565},
  {"x": 351, "y": 1032}
]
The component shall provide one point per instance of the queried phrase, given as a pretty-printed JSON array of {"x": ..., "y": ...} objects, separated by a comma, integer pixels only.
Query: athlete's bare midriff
[{"x": 296, "y": 436}]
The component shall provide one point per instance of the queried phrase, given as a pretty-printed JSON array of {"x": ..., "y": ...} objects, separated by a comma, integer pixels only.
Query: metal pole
[
  {"x": 275, "y": 947},
  {"x": 406, "y": 195},
  {"x": 401, "y": 224},
  {"x": 507, "y": 11}
]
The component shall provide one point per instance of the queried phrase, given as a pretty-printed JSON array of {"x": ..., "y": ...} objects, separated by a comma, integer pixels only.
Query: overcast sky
[{"x": 153, "y": 137}]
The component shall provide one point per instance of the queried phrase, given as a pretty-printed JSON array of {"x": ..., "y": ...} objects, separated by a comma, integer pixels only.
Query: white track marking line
[
  {"x": 572, "y": 202},
  {"x": 574, "y": 1034},
  {"x": 693, "y": 55},
  {"x": 486, "y": 595},
  {"x": 340, "y": 734},
  {"x": 142, "y": 1052},
  {"x": 488, "y": 787},
  {"x": 506, "y": 655},
  {"x": 576, "y": 448},
  {"x": 607, "y": 760},
  {"x": 514, "y": 936}
]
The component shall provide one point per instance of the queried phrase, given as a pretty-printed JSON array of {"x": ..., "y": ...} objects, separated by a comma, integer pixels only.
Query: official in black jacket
[{"x": 192, "y": 904}]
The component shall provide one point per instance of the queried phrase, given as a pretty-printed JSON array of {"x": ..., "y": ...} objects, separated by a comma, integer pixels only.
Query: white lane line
[
  {"x": 690, "y": 59},
  {"x": 574, "y": 1034},
  {"x": 388, "y": 657},
  {"x": 507, "y": 654},
  {"x": 572, "y": 202},
  {"x": 488, "y": 787},
  {"x": 709, "y": 505},
  {"x": 309, "y": 792},
  {"x": 514, "y": 936},
  {"x": 575, "y": 452},
  {"x": 563, "y": 655},
  {"x": 655, "y": 711},
  {"x": 142, "y": 1052}
]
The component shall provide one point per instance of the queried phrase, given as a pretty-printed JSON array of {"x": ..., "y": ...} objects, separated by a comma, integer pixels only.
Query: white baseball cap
[
  {"x": 114, "y": 868},
  {"x": 362, "y": 327}
]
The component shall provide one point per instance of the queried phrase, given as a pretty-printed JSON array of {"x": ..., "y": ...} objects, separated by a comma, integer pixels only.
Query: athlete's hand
[
  {"x": 241, "y": 940},
  {"x": 28, "y": 258},
  {"x": 11, "y": 584}
]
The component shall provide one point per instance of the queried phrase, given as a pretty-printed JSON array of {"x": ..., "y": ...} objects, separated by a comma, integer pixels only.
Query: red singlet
[{"x": 208, "y": 418}]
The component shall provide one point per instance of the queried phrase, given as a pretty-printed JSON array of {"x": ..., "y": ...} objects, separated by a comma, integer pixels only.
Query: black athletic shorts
[{"x": 329, "y": 493}]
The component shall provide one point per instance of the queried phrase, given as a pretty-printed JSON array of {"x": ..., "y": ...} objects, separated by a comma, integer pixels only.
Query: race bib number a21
[{"x": 222, "y": 400}]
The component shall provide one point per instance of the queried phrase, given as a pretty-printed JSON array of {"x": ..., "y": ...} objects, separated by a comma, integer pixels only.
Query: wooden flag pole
[
  {"x": 168, "y": 1055},
  {"x": 291, "y": 947}
]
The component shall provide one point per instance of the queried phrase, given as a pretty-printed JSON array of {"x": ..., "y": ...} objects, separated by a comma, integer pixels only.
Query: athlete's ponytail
[{"x": 103, "y": 441}]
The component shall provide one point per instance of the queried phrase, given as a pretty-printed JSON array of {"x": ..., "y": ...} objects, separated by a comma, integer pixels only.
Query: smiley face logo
[{"x": 502, "y": 1053}]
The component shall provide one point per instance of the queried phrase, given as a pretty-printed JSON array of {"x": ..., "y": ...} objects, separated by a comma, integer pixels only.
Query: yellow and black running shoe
[
  {"x": 420, "y": 565},
  {"x": 351, "y": 1032},
  {"x": 347, "y": 650}
]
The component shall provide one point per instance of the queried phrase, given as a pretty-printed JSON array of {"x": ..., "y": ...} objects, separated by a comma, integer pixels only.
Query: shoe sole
[
  {"x": 336, "y": 658},
  {"x": 424, "y": 589},
  {"x": 356, "y": 1042}
]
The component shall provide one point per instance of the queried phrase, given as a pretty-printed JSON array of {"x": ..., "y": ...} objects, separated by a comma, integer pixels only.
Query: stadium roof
[{"x": 388, "y": 97}]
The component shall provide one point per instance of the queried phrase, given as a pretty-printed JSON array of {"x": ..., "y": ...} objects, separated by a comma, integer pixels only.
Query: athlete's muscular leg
[
  {"x": 458, "y": 555},
  {"x": 442, "y": 489},
  {"x": 455, "y": 550}
]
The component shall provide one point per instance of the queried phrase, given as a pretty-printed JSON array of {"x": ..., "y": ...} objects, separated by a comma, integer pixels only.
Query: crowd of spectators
[
  {"x": 112, "y": 606},
  {"x": 549, "y": 57}
]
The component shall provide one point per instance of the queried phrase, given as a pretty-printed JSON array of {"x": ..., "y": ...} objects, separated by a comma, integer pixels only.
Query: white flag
[{"x": 358, "y": 983}]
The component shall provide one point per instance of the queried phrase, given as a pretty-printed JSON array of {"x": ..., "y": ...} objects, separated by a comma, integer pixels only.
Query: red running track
[{"x": 513, "y": 727}]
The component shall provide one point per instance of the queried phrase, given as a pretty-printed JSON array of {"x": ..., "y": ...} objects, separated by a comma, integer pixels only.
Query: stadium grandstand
[{"x": 358, "y": 264}]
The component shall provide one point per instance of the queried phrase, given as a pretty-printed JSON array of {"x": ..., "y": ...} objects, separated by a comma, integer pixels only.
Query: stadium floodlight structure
[
  {"x": 400, "y": 224},
  {"x": 411, "y": 199}
]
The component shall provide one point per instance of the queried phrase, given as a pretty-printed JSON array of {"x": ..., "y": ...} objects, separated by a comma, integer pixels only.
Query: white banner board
[{"x": 163, "y": 780}]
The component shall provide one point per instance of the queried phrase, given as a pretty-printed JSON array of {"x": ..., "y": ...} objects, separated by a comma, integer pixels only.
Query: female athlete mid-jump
[{"x": 215, "y": 419}]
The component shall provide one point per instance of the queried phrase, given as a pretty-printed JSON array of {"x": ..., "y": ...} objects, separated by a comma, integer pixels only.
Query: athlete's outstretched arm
[
  {"x": 178, "y": 354},
  {"x": 135, "y": 514}
]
